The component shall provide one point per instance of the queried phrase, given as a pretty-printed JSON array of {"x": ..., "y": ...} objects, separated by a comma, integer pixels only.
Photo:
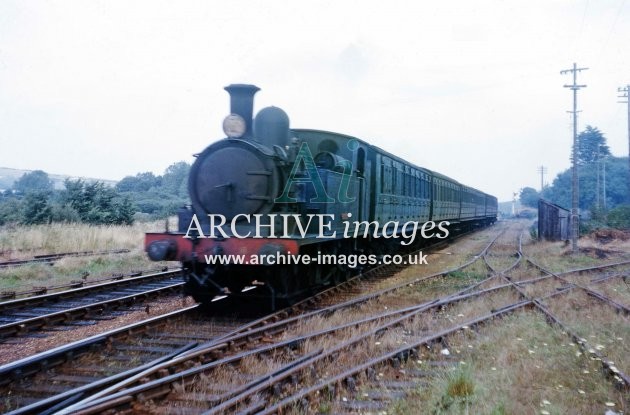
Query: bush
[
  {"x": 145, "y": 195},
  {"x": 588, "y": 226},
  {"x": 157, "y": 204},
  {"x": 10, "y": 211},
  {"x": 36, "y": 209},
  {"x": 142, "y": 217},
  {"x": 98, "y": 204},
  {"x": 619, "y": 217},
  {"x": 64, "y": 213}
]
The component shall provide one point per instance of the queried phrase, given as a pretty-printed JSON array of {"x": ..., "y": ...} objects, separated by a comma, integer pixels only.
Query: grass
[
  {"x": 521, "y": 364},
  {"x": 228, "y": 377},
  {"x": 458, "y": 390},
  {"x": 23, "y": 242},
  {"x": 469, "y": 275},
  {"x": 604, "y": 330},
  {"x": 518, "y": 364},
  {"x": 557, "y": 256},
  {"x": 617, "y": 289},
  {"x": 455, "y": 254}
]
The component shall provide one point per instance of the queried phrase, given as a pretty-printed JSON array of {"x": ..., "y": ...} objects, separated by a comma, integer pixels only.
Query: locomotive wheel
[
  {"x": 311, "y": 277},
  {"x": 235, "y": 288},
  {"x": 286, "y": 281},
  {"x": 340, "y": 273}
]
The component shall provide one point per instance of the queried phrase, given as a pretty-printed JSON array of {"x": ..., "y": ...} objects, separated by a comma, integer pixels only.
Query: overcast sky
[{"x": 471, "y": 89}]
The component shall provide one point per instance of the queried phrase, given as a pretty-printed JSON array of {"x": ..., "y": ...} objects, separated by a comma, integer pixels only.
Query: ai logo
[{"x": 304, "y": 171}]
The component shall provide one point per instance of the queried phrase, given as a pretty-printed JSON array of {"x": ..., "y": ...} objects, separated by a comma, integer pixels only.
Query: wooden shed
[{"x": 554, "y": 222}]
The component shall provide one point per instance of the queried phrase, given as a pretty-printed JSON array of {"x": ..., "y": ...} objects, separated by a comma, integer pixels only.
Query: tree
[
  {"x": 124, "y": 211},
  {"x": 35, "y": 181},
  {"x": 64, "y": 213},
  {"x": 175, "y": 178},
  {"x": 36, "y": 208},
  {"x": 97, "y": 203},
  {"x": 75, "y": 197},
  {"x": 10, "y": 211},
  {"x": 141, "y": 182},
  {"x": 591, "y": 146},
  {"x": 529, "y": 197},
  {"x": 619, "y": 217},
  {"x": 158, "y": 196},
  {"x": 615, "y": 170}
]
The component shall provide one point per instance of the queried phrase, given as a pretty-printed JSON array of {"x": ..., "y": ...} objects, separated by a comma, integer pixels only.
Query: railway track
[
  {"x": 218, "y": 357},
  {"x": 23, "y": 373},
  {"x": 218, "y": 376},
  {"x": 588, "y": 289},
  {"x": 255, "y": 395},
  {"x": 38, "y": 383},
  {"x": 83, "y": 280},
  {"x": 392, "y": 383},
  {"x": 263, "y": 331},
  {"x": 51, "y": 258},
  {"x": 80, "y": 306}
]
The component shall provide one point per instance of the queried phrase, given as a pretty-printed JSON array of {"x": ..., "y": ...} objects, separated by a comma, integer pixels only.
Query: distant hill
[{"x": 8, "y": 176}]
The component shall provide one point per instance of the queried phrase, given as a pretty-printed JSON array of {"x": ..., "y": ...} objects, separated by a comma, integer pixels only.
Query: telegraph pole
[
  {"x": 542, "y": 170},
  {"x": 598, "y": 170},
  {"x": 574, "y": 199},
  {"x": 625, "y": 91},
  {"x": 604, "y": 173}
]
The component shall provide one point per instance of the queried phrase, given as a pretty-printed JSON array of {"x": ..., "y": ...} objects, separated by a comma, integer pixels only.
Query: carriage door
[{"x": 360, "y": 163}]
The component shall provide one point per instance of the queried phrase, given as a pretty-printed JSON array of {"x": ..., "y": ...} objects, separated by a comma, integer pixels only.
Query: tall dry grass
[{"x": 23, "y": 242}]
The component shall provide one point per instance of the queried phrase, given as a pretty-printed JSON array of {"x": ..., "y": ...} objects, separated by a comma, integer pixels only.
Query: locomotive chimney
[{"x": 242, "y": 103}]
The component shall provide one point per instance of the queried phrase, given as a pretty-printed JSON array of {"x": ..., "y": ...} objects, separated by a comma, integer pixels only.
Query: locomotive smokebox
[{"x": 242, "y": 103}]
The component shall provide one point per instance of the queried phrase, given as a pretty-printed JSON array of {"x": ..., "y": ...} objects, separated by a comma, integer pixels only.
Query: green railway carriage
[
  {"x": 296, "y": 191},
  {"x": 388, "y": 188}
]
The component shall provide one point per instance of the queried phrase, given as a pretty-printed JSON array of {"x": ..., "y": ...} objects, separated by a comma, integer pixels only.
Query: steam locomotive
[{"x": 267, "y": 193}]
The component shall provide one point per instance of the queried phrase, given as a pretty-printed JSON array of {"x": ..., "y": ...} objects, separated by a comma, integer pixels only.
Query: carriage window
[
  {"x": 361, "y": 161},
  {"x": 403, "y": 184},
  {"x": 382, "y": 178},
  {"x": 427, "y": 187},
  {"x": 403, "y": 177}
]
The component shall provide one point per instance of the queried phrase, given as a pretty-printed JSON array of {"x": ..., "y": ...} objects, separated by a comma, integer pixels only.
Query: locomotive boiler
[{"x": 284, "y": 209}]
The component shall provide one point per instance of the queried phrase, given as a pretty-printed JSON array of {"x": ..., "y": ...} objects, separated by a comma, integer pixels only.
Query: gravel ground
[
  {"x": 451, "y": 256},
  {"x": 10, "y": 352},
  {"x": 454, "y": 254}
]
